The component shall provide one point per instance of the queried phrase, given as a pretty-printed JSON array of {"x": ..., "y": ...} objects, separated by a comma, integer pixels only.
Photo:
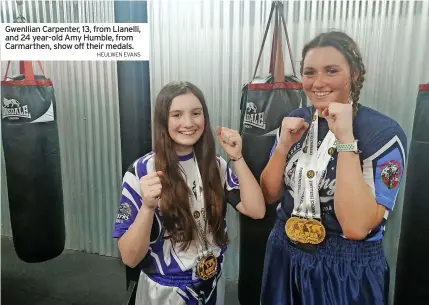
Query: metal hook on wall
[{"x": 20, "y": 18}]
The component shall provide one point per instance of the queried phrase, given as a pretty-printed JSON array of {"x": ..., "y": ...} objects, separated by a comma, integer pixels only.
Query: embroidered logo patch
[
  {"x": 124, "y": 212},
  {"x": 391, "y": 172}
]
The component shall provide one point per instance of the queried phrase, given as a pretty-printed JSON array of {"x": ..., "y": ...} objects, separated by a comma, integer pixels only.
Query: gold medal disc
[
  {"x": 298, "y": 228},
  {"x": 294, "y": 227},
  {"x": 289, "y": 227},
  {"x": 306, "y": 231},
  {"x": 207, "y": 267},
  {"x": 315, "y": 231}
]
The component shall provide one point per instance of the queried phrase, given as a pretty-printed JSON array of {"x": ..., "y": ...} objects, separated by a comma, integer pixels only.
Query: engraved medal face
[
  {"x": 289, "y": 227},
  {"x": 207, "y": 267},
  {"x": 314, "y": 231},
  {"x": 306, "y": 231}
]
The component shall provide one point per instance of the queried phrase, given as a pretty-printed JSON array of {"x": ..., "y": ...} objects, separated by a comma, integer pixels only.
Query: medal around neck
[
  {"x": 207, "y": 264},
  {"x": 305, "y": 226},
  {"x": 305, "y": 231},
  {"x": 207, "y": 267}
]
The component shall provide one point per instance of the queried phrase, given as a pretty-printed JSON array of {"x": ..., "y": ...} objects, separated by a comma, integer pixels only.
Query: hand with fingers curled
[
  {"x": 150, "y": 188},
  {"x": 340, "y": 120},
  {"x": 230, "y": 140},
  {"x": 292, "y": 130}
]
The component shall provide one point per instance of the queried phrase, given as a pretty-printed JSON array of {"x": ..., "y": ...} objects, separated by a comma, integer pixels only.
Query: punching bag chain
[{"x": 20, "y": 18}]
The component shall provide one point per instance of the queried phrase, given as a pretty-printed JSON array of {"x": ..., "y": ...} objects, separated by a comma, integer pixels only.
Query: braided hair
[{"x": 350, "y": 50}]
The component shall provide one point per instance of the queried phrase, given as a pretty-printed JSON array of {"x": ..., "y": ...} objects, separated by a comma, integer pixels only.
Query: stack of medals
[
  {"x": 207, "y": 263},
  {"x": 304, "y": 225}
]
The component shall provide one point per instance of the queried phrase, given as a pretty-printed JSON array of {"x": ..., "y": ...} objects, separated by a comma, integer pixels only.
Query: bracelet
[{"x": 234, "y": 160}]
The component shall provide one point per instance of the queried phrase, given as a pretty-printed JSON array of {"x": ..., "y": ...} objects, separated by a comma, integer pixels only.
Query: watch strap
[{"x": 348, "y": 147}]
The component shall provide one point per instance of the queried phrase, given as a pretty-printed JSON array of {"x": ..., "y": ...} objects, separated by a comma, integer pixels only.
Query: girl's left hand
[
  {"x": 340, "y": 121},
  {"x": 230, "y": 140}
]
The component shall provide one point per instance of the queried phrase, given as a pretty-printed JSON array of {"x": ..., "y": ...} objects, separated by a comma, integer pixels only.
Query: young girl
[
  {"x": 171, "y": 219},
  {"x": 336, "y": 167}
]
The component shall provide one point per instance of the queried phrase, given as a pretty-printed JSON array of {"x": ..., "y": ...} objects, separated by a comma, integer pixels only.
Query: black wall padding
[
  {"x": 134, "y": 92},
  {"x": 33, "y": 170},
  {"x": 412, "y": 271},
  {"x": 134, "y": 101}
]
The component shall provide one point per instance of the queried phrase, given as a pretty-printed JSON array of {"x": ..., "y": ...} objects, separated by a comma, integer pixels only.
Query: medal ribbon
[
  {"x": 200, "y": 200},
  {"x": 312, "y": 163}
]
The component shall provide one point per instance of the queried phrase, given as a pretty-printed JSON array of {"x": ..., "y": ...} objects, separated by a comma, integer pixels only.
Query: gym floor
[{"x": 73, "y": 278}]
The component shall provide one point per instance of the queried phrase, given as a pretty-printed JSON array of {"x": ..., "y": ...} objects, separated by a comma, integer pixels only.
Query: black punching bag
[
  {"x": 264, "y": 104},
  {"x": 33, "y": 169},
  {"x": 412, "y": 271}
]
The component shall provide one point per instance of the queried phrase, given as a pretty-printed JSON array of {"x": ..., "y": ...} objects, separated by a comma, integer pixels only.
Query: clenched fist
[
  {"x": 230, "y": 141},
  {"x": 292, "y": 130},
  {"x": 150, "y": 188},
  {"x": 340, "y": 121}
]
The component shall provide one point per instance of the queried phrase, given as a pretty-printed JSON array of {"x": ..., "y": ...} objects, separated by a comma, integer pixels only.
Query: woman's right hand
[
  {"x": 292, "y": 131},
  {"x": 150, "y": 188}
]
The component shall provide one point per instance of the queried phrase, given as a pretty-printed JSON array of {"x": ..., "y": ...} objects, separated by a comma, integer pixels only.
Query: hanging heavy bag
[
  {"x": 412, "y": 281},
  {"x": 33, "y": 169},
  {"x": 265, "y": 101}
]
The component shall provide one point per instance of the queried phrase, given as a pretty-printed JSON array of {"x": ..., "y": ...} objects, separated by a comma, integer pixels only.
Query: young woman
[
  {"x": 336, "y": 167},
  {"x": 171, "y": 219}
]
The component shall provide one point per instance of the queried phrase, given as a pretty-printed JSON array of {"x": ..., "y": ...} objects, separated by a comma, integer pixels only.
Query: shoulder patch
[
  {"x": 124, "y": 212},
  {"x": 391, "y": 173}
]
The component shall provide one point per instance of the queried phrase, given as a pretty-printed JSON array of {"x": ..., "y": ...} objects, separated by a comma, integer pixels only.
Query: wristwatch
[{"x": 352, "y": 147}]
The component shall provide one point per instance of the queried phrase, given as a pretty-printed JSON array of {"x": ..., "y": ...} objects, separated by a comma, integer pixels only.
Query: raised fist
[
  {"x": 230, "y": 140},
  {"x": 150, "y": 188},
  {"x": 292, "y": 130}
]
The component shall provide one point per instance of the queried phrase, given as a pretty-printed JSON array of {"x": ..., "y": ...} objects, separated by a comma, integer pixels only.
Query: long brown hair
[
  {"x": 175, "y": 195},
  {"x": 350, "y": 50}
]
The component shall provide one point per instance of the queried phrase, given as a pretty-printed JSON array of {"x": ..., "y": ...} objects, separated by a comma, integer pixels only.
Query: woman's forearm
[
  {"x": 355, "y": 205},
  {"x": 250, "y": 191},
  {"x": 134, "y": 244},
  {"x": 272, "y": 181}
]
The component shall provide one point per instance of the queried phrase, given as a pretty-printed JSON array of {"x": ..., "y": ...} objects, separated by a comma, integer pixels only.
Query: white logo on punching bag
[
  {"x": 11, "y": 109},
  {"x": 252, "y": 117}
]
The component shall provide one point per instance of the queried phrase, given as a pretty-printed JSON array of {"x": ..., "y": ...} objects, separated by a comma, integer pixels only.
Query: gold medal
[
  {"x": 315, "y": 231},
  {"x": 300, "y": 235},
  {"x": 305, "y": 231},
  {"x": 294, "y": 227},
  {"x": 289, "y": 227},
  {"x": 331, "y": 151},
  {"x": 207, "y": 267},
  {"x": 196, "y": 214}
]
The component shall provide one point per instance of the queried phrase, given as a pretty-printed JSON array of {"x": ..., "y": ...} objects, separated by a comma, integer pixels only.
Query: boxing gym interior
[{"x": 61, "y": 182}]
